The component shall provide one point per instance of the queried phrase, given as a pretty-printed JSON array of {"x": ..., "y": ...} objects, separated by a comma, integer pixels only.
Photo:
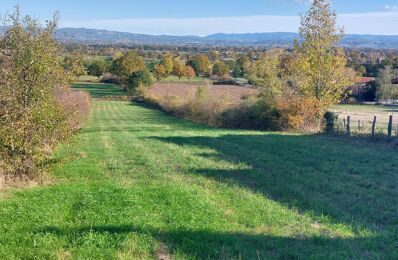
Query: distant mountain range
[{"x": 280, "y": 39}]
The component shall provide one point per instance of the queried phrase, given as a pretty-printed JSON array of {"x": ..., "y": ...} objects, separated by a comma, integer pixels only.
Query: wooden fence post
[
  {"x": 374, "y": 126},
  {"x": 390, "y": 127},
  {"x": 348, "y": 125},
  {"x": 345, "y": 125},
  {"x": 359, "y": 125}
]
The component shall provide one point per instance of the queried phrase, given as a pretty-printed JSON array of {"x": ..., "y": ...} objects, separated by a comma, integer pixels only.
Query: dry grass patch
[{"x": 183, "y": 91}]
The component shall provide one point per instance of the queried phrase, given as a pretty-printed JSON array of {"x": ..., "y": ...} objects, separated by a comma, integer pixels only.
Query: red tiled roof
[{"x": 365, "y": 80}]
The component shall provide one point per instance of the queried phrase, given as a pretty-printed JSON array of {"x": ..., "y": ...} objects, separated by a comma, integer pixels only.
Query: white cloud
[
  {"x": 379, "y": 23},
  {"x": 362, "y": 23},
  {"x": 391, "y": 8}
]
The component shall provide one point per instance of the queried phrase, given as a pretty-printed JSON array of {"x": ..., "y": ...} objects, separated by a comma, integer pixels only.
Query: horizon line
[
  {"x": 370, "y": 23},
  {"x": 223, "y": 33}
]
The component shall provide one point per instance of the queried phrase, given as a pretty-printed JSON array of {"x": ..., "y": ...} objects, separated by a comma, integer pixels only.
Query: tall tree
[
  {"x": 266, "y": 72},
  {"x": 200, "y": 64},
  {"x": 160, "y": 71},
  {"x": 179, "y": 68},
  {"x": 189, "y": 72},
  {"x": 168, "y": 64},
  {"x": 385, "y": 88},
  {"x": 240, "y": 67},
  {"x": 126, "y": 65},
  {"x": 97, "y": 68},
  {"x": 220, "y": 69},
  {"x": 321, "y": 66}
]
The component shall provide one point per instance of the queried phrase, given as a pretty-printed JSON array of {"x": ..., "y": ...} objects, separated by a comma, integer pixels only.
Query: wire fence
[{"x": 366, "y": 124}]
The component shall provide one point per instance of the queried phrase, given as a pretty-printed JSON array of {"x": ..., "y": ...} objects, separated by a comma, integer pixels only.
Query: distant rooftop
[{"x": 365, "y": 80}]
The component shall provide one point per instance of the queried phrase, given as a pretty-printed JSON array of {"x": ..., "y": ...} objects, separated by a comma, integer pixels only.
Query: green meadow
[{"x": 136, "y": 183}]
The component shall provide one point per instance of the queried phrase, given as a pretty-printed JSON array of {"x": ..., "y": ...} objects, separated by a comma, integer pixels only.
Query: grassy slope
[{"x": 135, "y": 179}]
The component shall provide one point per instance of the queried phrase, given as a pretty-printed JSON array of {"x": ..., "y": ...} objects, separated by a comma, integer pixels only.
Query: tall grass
[
  {"x": 76, "y": 104},
  {"x": 253, "y": 112},
  {"x": 199, "y": 106}
]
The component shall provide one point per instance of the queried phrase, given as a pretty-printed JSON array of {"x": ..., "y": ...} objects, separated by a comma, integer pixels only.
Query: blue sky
[{"x": 202, "y": 17}]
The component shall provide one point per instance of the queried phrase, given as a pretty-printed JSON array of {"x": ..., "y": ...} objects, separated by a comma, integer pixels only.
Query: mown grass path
[{"x": 136, "y": 180}]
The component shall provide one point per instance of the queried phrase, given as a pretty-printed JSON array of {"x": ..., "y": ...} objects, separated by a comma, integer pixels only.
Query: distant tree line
[{"x": 295, "y": 87}]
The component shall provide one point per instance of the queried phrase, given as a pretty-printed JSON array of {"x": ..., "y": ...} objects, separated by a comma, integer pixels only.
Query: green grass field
[
  {"x": 88, "y": 78},
  {"x": 184, "y": 80},
  {"x": 137, "y": 183},
  {"x": 99, "y": 90}
]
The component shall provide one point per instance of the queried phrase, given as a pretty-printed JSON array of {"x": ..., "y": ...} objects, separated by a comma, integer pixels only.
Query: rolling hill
[{"x": 284, "y": 39}]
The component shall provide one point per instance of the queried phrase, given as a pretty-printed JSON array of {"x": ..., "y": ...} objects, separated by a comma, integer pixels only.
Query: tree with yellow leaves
[
  {"x": 160, "y": 72},
  {"x": 320, "y": 67},
  {"x": 179, "y": 68}
]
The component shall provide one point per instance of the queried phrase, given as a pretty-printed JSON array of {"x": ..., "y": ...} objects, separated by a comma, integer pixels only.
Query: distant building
[{"x": 361, "y": 85}]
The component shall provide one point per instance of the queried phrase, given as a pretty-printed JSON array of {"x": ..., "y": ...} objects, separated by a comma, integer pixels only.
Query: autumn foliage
[{"x": 36, "y": 113}]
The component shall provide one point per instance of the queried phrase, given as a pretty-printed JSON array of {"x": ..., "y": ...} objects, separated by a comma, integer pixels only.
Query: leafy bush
[
  {"x": 109, "y": 79},
  {"x": 32, "y": 119},
  {"x": 138, "y": 80},
  {"x": 257, "y": 114},
  {"x": 330, "y": 121},
  {"x": 295, "y": 114}
]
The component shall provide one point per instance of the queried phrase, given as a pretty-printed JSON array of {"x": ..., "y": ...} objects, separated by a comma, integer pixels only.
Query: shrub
[
  {"x": 109, "y": 79},
  {"x": 254, "y": 113},
  {"x": 277, "y": 114},
  {"x": 330, "y": 121},
  {"x": 32, "y": 119},
  {"x": 302, "y": 114}
]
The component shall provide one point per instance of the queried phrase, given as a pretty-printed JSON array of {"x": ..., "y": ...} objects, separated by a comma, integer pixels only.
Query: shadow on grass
[
  {"x": 203, "y": 244},
  {"x": 153, "y": 114},
  {"x": 348, "y": 181},
  {"x": 97, "y": 90}
]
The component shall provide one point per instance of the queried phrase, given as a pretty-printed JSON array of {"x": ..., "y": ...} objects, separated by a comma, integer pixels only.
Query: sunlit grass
[{"x": 135, "y": 179}]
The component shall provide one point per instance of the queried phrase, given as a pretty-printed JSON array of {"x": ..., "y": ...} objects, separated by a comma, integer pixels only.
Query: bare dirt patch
[
  {"x": 234, "y": 93},
  {"x": 163, "y": 252},
  {"x": 24, "y": 181}
]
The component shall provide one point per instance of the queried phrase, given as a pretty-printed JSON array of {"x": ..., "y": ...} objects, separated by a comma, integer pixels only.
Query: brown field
[{"x": 233, "y": 93}]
